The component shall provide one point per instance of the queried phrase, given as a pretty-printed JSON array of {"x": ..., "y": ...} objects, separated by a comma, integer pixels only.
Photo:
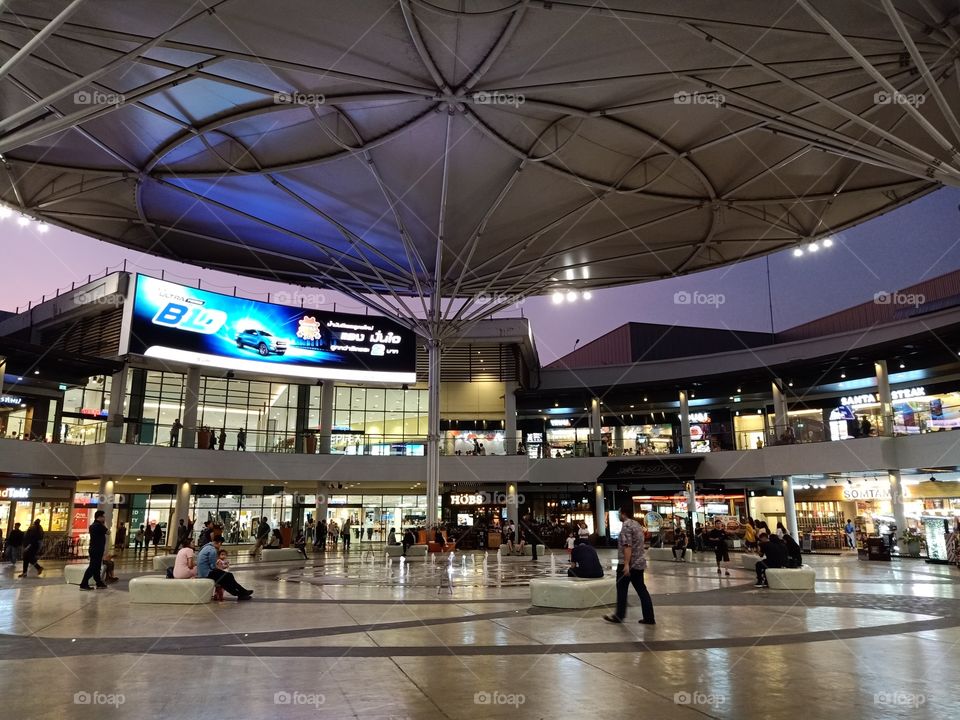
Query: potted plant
[{"x": 910, "y": 543}]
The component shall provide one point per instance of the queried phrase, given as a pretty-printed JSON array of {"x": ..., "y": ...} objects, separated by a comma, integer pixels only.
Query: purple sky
[{"x": 914, "y": 243}]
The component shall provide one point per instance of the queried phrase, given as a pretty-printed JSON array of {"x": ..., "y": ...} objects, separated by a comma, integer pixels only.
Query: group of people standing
[{"x": 217, "y": 441}]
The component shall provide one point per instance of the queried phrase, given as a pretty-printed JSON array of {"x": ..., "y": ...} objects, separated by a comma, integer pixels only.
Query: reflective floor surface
[{"x": 363, "y": 637}]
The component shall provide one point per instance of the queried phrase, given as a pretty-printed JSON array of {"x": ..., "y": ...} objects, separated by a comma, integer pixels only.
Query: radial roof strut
[{"x": 475, "y": 150}]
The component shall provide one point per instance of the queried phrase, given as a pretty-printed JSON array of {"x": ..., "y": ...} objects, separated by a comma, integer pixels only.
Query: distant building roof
[{"x": 638, "y": 342}]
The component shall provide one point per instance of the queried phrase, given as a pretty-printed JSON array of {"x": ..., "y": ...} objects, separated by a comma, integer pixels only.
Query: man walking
[
  {"x": 14, "y": 547},
  {"x": 98, "y": 544},
  {"x": 263, "y": 534},
  {"x": 528, "y": 535},
  {"x": 632, "y": 561},
  {"x": 241, "y": 439},
  {"x": 32, "y": 541}
]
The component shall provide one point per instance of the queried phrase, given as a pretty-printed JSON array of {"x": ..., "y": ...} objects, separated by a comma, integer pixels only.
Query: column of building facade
[
  {"x": 191, "y": 403},
  {"x": 106, "y": 500},
  {"x": 599, "y": 511},
  {"x": 510, "y": 437},
  {"x": 780, "y": 417},
  {"x": 595, "y": 435},
  {"x": 118, "y": 388},
  {"x": 327, "y": 394},
  {"x": 884, "y": 398},
  {"x": 790, "y": 506},
  {"x": 685, "y": 444},
  {"x": 181, "y": 510}
]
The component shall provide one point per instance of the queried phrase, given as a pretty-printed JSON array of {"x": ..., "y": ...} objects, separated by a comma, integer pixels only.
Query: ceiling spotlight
[
  {"x": 587, "y": 295},
  {"x": 843, "y": 375},
  {"x": 790, "y": 384},
  {"x": 23, "y": 221},
  {"x": 798, "y": 252},
  {"x": 644, "y": 398},
  {"x": 739, "y": 390},
  {"x": 902, "y": 366},
  {"x": 812, "y": 247},
  {"x": 827, "y": 242},
  {"x": 5, "y": 212},
  {"x": 557, "y": 298},
  {"x": 571, "y": 296},
  {"x": 43, "y": 227}
]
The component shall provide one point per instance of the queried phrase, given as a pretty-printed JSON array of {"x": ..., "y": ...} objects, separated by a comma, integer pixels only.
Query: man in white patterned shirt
[{"x": 632, "y": 561}]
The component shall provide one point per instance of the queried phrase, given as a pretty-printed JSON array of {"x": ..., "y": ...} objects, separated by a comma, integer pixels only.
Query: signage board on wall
[
  {"x": 175, "y": 322},
  {"x": 864, "y": 491},
  {"x": 14, "y": 493}
]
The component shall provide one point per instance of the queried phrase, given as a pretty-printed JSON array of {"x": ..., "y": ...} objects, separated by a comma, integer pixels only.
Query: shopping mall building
[{"x": 742, "y": 424}]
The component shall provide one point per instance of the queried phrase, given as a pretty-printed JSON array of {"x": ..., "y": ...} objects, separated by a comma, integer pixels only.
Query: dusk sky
[{"x": 914, "y": 243}]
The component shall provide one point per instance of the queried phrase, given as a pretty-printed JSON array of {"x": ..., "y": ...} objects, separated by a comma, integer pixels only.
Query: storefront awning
[{"x": 651, "y": 469}]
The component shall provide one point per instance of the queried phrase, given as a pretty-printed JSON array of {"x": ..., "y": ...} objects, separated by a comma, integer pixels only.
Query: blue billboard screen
[{"x": 198, "y": 327}]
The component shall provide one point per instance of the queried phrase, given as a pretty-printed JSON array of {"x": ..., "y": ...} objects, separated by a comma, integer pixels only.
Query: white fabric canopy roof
[{"x": 475, "y": 147}]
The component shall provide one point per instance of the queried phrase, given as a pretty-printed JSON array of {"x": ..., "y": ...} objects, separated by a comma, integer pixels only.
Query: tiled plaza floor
[{"x": 359, "y": 637}]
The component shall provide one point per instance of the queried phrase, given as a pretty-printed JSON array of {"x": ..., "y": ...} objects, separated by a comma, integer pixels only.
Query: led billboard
[{"x": 197, "y": 327}]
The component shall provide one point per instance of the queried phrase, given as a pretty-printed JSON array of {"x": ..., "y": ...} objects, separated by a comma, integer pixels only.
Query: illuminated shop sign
[
  {"x": 11, "y": 400},
  {"x": 559, "y": 422},
  {"x": 18, "y": 493},
  {"x": 866, "y": 492},
  {"x": 483, "y": 498},
  {"x": 698, "y": 417},
  {"x": 94, "y": 412},
  {"x": 870, "y": 398},
  {"x": 184, "y": 324}
]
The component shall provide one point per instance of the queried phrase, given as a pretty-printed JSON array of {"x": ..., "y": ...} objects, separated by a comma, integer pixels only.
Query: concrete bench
[
  {"x": 667, "y": 554},
  {"x": 162, "y": 562},
  {"x": 572, "y": 593},
  {"x": 281, "y": 554},
  {"x": 801, "y": 578},
  {"x": 414, "y": 552},
  {"x": 73, "y": 574},
  {"x": 161, "y": 590}
]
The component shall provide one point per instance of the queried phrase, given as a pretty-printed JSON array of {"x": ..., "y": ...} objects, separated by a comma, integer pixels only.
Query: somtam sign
[
  {"x": 866, "y": 491},
  {"x": 174, "y": 322}
]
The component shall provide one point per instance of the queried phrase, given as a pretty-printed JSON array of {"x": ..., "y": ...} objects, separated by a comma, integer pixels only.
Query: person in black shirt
[
  {"x": 14, "y": 546},
  {"x": 775, "y": 556},
  {"x": 680, "y": 546},
  {"x": 528, "y": 535},
  {"x": 794, "y": 553},
  {"x": 718, "y": 538},
  {"x": 32, "y": 540},
  {"x": 585, "y": 562},
  {"x": 409, "y": 540},
  {"x": 98, "y": 544}
]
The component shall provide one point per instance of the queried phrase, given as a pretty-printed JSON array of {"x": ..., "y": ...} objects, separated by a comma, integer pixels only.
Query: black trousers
[
  {"x": 762, "y": 571},
  {"x": 93, "y": 571},
  {"x": 226, "y": 580},
  {"x": 578, "y": 573},
  {"x": 30, "y": 558},
  {"x": 635, "y": 578}
]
